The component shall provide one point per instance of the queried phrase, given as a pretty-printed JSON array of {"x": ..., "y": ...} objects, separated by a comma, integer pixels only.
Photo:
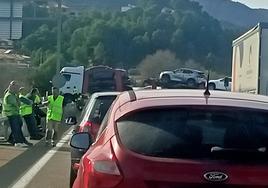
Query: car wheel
[
  {"x": 72, "y": 177},
  {"x": 211, "y": 86},
  {"x": 202, "y": 86},
  {"x": 191, "y": 83},
  {"x": 165, "y": 78}
]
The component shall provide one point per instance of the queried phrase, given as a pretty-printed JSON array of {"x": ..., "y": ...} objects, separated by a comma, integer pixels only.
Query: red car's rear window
[{"x": 196, "y": 132}]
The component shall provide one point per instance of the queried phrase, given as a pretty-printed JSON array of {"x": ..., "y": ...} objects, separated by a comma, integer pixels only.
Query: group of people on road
[
  {"x": 19, "y": 105},
  {"x": 27, "y": 104}
]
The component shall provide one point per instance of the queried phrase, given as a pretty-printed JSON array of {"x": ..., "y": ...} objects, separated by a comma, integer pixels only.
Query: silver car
[{"x": 190, "y": 77}]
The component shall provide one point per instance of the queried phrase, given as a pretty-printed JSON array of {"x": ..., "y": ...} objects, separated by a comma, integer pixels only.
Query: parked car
[
  {"x": 90, "y": 121},
  {"x": 178, "y": 138},
  {"x": 189, "y": 77},
  {"x": 220, "y": 84}
]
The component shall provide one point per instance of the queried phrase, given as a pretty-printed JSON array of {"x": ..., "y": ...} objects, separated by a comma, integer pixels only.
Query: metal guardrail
[
  {"x": 5, "y": 128},
  {"x": 70, "y": 110}
]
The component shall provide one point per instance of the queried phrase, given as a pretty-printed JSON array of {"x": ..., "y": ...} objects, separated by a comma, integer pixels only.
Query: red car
[
  {"x": 178, "y": 139},
  {"x": 90, "y": 120},
  {"x": 94, "y": 112}
]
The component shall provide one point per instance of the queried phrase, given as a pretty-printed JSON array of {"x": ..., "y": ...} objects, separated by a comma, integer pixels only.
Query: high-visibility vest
[
  {"x": 10, "y": 109},
  {"x": 55, "y": 108},
  {"x": 25, "y": 109},
  {"x": 37, "y": 100}
]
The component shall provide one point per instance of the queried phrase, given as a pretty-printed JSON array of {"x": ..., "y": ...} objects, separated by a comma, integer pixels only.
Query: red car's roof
[
  {"x": 167, "y": 93},
  {"x": 129, "y": 101}
]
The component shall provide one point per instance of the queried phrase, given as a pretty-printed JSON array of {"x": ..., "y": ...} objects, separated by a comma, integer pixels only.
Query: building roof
[{"x": 9, "y": 55}]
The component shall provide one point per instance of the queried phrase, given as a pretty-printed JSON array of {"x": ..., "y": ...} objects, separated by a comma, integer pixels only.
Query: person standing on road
[
  {"x": 38, "y": 113},
  {"x": 11, "y": 108},
  {"x": 26, "y": 111},
  {"x": 54, "y": 104}
]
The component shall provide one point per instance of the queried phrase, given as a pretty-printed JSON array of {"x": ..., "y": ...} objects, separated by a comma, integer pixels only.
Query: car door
[
  {"x": 178, "y": 75},
  {"x": 187, "y": 74},
  {"x": 230, "y": 84},
  {"x": 220, "y": 85}
]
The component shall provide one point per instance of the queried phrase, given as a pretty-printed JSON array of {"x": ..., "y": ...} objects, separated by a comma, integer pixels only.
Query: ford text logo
[{"x": 215, "y": 176}]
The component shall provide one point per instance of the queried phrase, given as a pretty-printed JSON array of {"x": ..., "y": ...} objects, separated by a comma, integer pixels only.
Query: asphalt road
[{"x": 37, "y": 166}]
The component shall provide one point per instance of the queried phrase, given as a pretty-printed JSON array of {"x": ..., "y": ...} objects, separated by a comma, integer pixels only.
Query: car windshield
[
  {"x": 193, "y": 132},
  {"x": 101, "y": 106}
]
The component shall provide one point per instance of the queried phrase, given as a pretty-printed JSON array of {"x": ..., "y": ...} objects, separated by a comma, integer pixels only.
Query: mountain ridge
[{"x": 234, "y": 12}]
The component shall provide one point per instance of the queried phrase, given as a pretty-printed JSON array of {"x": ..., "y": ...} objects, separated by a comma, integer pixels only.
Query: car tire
[
  {"x": 211, "y": 86},
  {"x": 202, "y": 86},
  {"x": 165, "y": 79},
  {"x": 191, "y": 82},
  {"x": 72, "y": 177}
]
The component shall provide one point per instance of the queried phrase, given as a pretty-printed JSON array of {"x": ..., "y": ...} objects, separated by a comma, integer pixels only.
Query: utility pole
[
  {"x": 59, "y": 18},
  {"x": 11, "y": 20}
]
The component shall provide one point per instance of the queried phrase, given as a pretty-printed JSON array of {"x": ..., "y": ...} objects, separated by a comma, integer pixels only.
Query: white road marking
[{"x": 31, "y": 173}]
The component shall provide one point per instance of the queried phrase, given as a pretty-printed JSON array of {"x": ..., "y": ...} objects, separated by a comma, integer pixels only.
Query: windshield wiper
[{"x": 216, "y": 149}]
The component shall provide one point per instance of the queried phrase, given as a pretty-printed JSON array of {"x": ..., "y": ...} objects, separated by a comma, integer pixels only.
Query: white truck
[
  {"x": 74, "y": 77},
  {"x": 80, "y": 80},
  {"x": 250, "y": 61}
]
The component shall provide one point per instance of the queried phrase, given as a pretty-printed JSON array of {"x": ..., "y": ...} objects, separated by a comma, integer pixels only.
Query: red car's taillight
[
  {"x": 106, "y": 167},
  {"x": 86, "y": 127},
  {"x": 101, "y": 173}
]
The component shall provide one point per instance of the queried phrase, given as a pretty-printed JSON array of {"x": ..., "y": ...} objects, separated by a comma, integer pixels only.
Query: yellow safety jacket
[
  {"x": 10, "y": 105},
  {"x": 25, "y": 109},
  {"x": 37, "y": 100},
  {"x": 55, "y": 108}
]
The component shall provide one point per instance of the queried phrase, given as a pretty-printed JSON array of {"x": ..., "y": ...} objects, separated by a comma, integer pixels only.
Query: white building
[
  {"x": 11, "y": 19},
  {"x": 127, "y": 8}
]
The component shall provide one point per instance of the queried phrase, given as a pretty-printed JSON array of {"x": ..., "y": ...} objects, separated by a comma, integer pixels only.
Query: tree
[
  {"x": 44, "y": 38},
  {"x": 80, "y": 54},
  {"x": 99, "y": 54},
  {"x": 44, "y": 74},
  {"x": 152, "y": 65},
  {"x": 124, "y": 39},
  {"x": 77, "y": 38}
]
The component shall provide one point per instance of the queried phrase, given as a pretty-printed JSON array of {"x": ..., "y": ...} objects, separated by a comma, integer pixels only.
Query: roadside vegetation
[{"x": 142, "y": 37}]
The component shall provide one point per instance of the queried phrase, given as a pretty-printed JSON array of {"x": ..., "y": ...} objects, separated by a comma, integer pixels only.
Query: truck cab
[
  {"x": 94, "y": 79},
  {"x": 74, "y": 77}
]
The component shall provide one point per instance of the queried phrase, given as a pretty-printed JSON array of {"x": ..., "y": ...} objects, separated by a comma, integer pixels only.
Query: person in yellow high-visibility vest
[
  {"x": 54, "y": 104},
  {"x": 11, "y": 108},
  {"x": 26, "y": 111},
  {"x": 38, "y": 113}
]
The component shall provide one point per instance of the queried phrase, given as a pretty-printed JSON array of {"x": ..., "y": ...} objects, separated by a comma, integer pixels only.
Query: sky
[{"x": 255, "y": 3}]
